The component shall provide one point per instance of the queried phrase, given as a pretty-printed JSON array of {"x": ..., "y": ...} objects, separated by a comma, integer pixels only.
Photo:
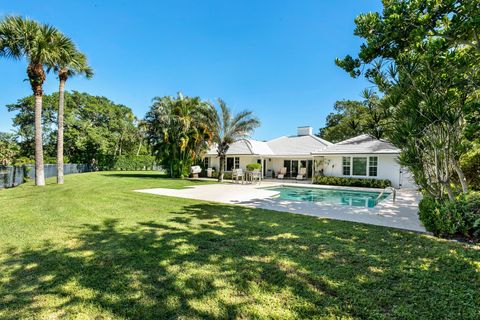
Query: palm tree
[
  {"x": 70, "y": 64},
  {"x": 41, "y": 46},
  {"x": 179, "y": 130},
  {"x": 229, "y": 129}
]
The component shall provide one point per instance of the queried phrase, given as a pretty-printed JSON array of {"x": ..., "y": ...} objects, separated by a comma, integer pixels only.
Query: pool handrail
[{"x": 394, "y": 191}]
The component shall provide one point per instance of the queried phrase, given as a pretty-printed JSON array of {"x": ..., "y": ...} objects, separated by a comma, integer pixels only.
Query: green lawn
[{"x": 94, "y": 249}]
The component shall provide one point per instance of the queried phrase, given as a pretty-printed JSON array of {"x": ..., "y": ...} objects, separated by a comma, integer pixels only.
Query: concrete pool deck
[{"x": 401, "y": 214}]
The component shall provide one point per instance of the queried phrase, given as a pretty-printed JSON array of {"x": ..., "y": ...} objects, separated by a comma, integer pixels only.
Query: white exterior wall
[
  {"x": 276, "y": 164},
  {"x": 387, "y": 168}
]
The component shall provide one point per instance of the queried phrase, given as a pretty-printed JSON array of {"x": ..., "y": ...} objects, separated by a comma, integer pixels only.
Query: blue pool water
[{"x": 332, "y": 196}]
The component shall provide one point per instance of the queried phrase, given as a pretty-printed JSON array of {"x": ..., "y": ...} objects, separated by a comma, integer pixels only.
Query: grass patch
[{"x": 93, "y": 248}]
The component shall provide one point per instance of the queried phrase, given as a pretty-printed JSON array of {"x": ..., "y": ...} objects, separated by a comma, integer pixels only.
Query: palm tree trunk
[
  {"x": 220, "y": 170},
  {"x": 39, "y": 168},
  {"x": 61, "y": 103}
]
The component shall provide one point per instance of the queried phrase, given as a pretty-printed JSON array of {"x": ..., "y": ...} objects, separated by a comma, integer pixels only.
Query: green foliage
[
  {"x": 127, "y": 162},
  {"x": 427, "y": 71},
  {"x": 179, "y": 131},
  {"x": 352, "y": 118},
  {"x": 470, "y": 163},
  {"x": 23, "y": 161},
  {"x": 453, "y": 23},
  {"x": 352, "y": 182},
  {"x": 9, "y": 149},
  {"x": 230, "y": 128},
  {"x": 452, "y": 218},
  {"x": 253, "y": 166},
  {"x": 94, "y": 126}
]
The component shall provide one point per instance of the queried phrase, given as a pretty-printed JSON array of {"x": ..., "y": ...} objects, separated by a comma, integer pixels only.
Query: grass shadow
[{"x": 219, "y": 261}]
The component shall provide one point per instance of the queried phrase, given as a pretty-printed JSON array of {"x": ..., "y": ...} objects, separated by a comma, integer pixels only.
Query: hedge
[
  {"x": 130, "y": 163},
  {"x": 253, "y": 166},
  {"x": 352, "y": 182},
  {"x": 452, "y": 218}
]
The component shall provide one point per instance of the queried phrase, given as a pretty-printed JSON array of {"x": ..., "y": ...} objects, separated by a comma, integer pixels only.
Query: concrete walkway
[{"x": 401, "y": 214}]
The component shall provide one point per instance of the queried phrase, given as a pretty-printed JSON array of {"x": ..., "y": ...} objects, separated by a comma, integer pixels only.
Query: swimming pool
[{"x": 332, "y": 196}]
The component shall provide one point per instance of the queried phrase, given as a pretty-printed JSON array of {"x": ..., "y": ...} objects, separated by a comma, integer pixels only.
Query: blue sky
[{"x": 273, "y": 57}]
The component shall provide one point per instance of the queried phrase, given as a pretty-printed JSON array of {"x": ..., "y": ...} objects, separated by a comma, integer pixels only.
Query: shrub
[
  {"x": 127, "y": 163},
  {"x": 253, "y": 166},
  {"x": 353, "y": 182},
  {"x": 452, "y": 218},
  {"x": 23, "y": 161},
  {"x": 470, "y": 163},
  {"x": 226, "y": 175}
]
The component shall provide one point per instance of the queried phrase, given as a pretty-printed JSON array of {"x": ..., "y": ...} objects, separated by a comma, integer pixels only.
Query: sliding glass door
[
  {"x": 287, "y": 164},
  {"x": 293, "y": 167}
]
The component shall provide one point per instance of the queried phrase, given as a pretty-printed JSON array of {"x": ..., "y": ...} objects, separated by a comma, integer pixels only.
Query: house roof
[
  {"x": 282, "y": 146},
  {"x": 297, "y": 145},
  {"x": 362, "y": 144},
  {"x": 245, "y": 147}
]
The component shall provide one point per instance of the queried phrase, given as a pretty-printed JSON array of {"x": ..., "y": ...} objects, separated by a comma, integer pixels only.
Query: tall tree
[
  {"x": 70, "y": 64},
  {"x": 229, "y": 129},
  {"x": 424, "y": 56},
  {"x": 352, "y": 118},
  {"x": 179, "y": 131},
  {"x": 41, "y": 45}
]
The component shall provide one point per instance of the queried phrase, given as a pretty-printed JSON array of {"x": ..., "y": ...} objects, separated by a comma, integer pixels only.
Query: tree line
[{"x": 178, "y": 131}]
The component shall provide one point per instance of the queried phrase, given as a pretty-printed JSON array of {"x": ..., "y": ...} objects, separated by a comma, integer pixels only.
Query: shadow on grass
[
  {"x": 136, "y": 175},
  {"x": 150, "y": 176},
  {"x": 217, "y": 261}
]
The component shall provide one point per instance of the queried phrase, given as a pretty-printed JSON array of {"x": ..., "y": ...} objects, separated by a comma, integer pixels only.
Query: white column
[
  {"x": 313, "y": 169},
  {"x": 263, "y": 169}
]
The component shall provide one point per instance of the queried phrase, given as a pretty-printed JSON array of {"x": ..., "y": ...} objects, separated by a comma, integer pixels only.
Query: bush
[
  {"x": 352, "y": 182},
  {"x": 23, "y": 161},
  {"x": 226, "y": 175},
  {"x": 470, "y": 163},
  {"x": 452, "y": 218},
  {"x": 131, "y": 163},
  {"x": 253, "y": 166}
]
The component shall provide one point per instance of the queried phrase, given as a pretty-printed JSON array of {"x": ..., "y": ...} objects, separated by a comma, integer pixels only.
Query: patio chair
[
  {"x": 256, "y": 175},
  {"x": 195, "y": 170},
  {"x": 301, "y": 175},
  {"x": 281, "y": 173},
  {"x": 237, "y": 174}
]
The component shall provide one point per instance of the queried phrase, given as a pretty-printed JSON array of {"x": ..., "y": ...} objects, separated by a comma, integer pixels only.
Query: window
[
  {"x": 346, "y": 166},
  {"x": 206, "y": 162},
  {"x": 232, "y": 163},
  {"x": 237, "y": 163},
  {"x": 359, "y": 166},
  {"x": 372, "y": 166}
]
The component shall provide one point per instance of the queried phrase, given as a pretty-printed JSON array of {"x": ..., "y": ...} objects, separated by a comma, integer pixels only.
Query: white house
[{"x": 361, "y": 157}]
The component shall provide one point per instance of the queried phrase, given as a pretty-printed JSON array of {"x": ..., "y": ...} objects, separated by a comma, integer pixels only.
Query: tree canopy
[
  {"x": 351, "y": 118},
  {"x": 179, "y": 130},
  {"x": 423, "y": 56},
  {"x": 94, "y": 127}
]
